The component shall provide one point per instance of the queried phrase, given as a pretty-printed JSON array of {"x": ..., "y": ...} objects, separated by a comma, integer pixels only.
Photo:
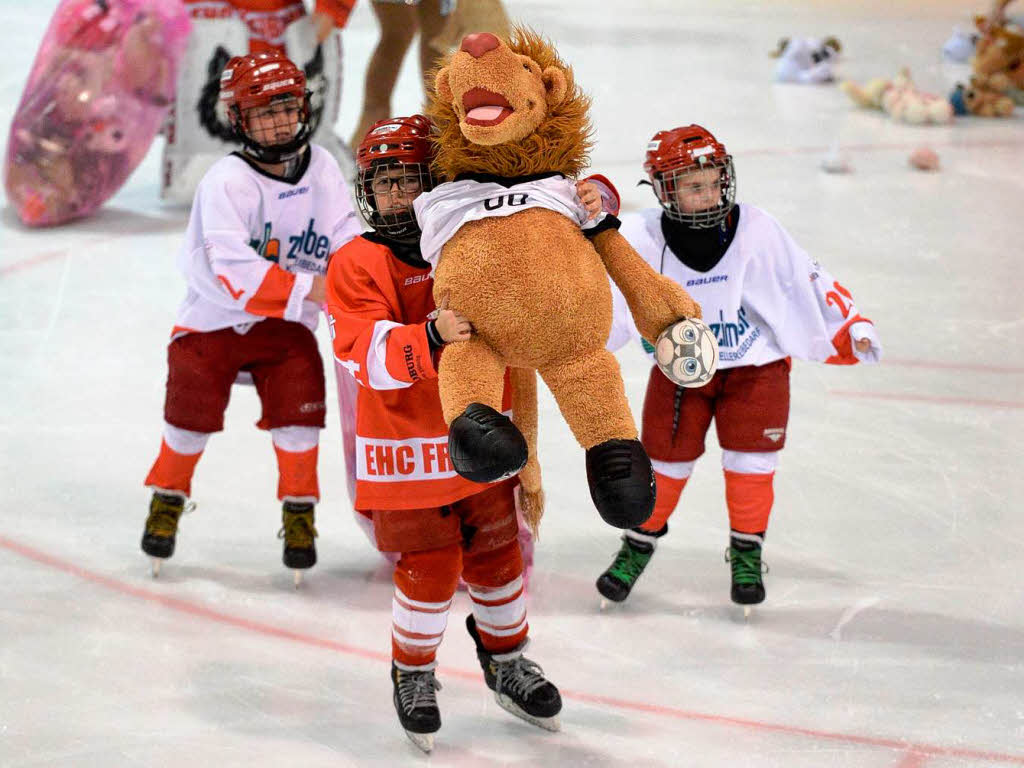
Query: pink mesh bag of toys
[{"x": 98, "y": 92}]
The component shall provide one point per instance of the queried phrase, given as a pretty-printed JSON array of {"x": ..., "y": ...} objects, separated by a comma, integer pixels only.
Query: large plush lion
[{"x": 511, "y": 252}]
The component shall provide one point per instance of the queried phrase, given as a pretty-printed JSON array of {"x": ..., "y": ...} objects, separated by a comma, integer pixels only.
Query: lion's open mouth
[{"x": 485, "y": 107}]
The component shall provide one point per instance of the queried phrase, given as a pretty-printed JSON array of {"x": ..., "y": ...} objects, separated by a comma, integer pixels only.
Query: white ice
[{"x": 893, "y": 634}]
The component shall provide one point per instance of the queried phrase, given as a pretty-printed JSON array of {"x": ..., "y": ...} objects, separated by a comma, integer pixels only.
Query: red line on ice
[
  {"x": 933, "y": 399},
  {"x": 914, "y": 752},
  {"x": 39, "y": 258},
  {"x": 945, "y": 366},
  {"x": 913, "y": 760}
]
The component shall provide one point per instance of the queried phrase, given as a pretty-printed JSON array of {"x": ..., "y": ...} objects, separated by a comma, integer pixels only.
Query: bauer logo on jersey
[
  {"x": 734, "y": 338},
  {"x": 396, "y": 461}
]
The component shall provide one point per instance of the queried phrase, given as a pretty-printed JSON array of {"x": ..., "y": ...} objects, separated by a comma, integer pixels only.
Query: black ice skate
[
  {"x": 519, "y": 684},
  {"x": 744, "y": 555},
  {"x": 485, "y": 445},
  {"x": 636, "y": 552},
  {"x": 298, "y": 532},
  {"x": 165, "y": 509},
  {"x": 415, "y": 701},
  {"x": 621, "y": 482}
]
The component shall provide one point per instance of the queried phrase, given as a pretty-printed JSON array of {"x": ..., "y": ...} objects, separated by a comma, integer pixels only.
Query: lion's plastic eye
[{"x": 526, "y": 66}]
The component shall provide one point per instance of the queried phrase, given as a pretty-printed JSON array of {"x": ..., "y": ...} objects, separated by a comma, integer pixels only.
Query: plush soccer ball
[{"x": 687, "y": 353}]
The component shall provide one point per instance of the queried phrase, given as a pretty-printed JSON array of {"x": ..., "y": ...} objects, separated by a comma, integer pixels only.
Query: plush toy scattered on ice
[
  {"x": 998, "y": 63},
  {"x": 977, "y": 99},
  {"x": 900, "y": 99},
  {"x": 514, "y": 252},
  {"x": 99, "y": 89},
  {"x": 806, "y": 59}
]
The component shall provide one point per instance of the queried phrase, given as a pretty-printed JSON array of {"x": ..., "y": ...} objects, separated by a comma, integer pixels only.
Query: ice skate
[
  {"x": 621, "y": 482},
  {"x": 484, "y": 445},
  {"x": 415, "y": 700},
  {"x": 165, "y": 509},
  {"x": 298, "y": 532},
  {"x": 636, "y": 552},
  {"x": 519, "y": 684},
  {"x": 744, "y": 556}
]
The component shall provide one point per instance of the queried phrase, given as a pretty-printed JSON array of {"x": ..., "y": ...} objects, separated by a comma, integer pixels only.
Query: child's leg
[
  {"x": 749, "y": 494},
  {"x": 172, "y": 471},
  {"x": 289, "y": 377},
  {"x": 493, "y": 566},
  {"x": 200, "y": 371},
  {"x": 296, "y": 449},
  {"x": 675, "y": 423},
  {"x": 751, "y": 418},
  {"x": 424, "y": 585}
]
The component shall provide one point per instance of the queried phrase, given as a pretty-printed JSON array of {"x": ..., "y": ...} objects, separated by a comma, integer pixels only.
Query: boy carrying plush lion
[{"x": 513, "y": 251}]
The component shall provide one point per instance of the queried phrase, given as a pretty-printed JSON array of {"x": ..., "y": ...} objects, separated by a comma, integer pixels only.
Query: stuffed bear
[
  {"x": 998, "y": 63},
  {"x": 513, "y": 251},
  {"x": 900, "y": 99},
  {"x": 981, "y": 101}
]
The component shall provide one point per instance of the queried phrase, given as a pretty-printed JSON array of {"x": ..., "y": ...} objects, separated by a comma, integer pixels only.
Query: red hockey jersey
[{"x": 377, "y": 307}]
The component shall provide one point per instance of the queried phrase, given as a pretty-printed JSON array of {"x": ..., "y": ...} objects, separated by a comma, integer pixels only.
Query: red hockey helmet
[
  {"x": 671, "y": 155},
  {"x": 258, "y": 80},
  {"x": 394, "y": 153}
]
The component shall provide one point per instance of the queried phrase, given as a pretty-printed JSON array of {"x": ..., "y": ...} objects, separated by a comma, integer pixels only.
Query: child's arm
[
  {"x": 378, "y": 351},
  {"x": 598, "y": 194},
  {"x": 247, "y": 280},
  {"x": 811, "y": 314},
  {"x": 853, "y": 335}
]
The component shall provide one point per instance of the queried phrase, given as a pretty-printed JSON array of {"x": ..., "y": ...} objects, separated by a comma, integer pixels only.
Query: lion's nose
[{"x": 478, "y": 44}]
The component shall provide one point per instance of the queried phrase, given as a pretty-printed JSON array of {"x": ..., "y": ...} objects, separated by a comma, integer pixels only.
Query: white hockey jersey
[
  {"x": 765, "y": 300},
  {"x": 442, "y": 211},
  {"x": 254, "y": 242}
]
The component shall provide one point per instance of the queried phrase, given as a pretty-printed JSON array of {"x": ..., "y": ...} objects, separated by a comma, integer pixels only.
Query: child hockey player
[
  {"x": 263, "y": 224},
  {"x": 766, "y": 301},
  {"x": 388, "y": 334}
]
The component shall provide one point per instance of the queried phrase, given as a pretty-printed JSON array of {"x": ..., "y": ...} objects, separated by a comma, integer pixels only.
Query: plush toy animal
[
  {"x": 507, "y": 238},
  {"x": 981, "y": 101},
  {"x": 998, "y": 63},
  {"x": 900, "y": 99}
]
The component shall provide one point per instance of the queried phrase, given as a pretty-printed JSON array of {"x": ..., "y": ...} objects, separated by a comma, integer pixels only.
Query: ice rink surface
[{"x": 893, "y": 633}]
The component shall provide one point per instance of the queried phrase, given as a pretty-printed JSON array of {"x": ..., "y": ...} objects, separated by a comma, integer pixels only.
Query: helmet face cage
[
  {"x": 666, "y": 184},
  {"x": 377, "y": 189},
  {"x": 280, "y": 110}
]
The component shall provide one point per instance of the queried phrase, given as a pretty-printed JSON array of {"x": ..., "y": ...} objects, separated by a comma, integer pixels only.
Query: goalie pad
[
  {"x": 197, "y": 129},
  {"x": 323, "y": 67}
]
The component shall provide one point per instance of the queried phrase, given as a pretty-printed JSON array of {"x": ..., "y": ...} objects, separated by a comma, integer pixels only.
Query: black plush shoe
[
  {"x": 165, "y": 509},
  {"x": 621, "y": 482},
  {"x": 519, "y": 684},
  {"x": 485, "y": 445},
  {"x": 415, "y": 700}
]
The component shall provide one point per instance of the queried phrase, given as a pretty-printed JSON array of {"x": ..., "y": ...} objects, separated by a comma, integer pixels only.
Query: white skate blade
[
  {"x": 297, "y": 577},
  {"x": 605, "y": 602},
  {"x": 547, "y": 723},
  {"x": 424, "y": 741},
  {"x": 746, "y": 611},
  {"x": 154, "y": 566}
]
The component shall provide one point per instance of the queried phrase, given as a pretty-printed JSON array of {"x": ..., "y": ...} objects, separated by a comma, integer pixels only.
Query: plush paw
[{"x": 669, "y": 303}]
